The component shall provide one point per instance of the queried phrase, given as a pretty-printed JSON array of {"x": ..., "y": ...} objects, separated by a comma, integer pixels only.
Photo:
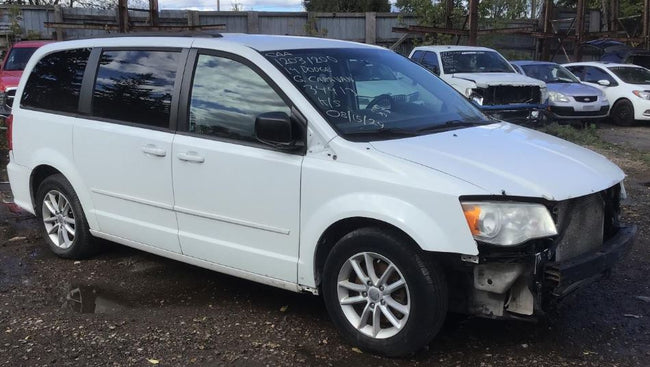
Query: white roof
[
  {"x": 255, "y": 41},
  {"x": 452, "y": 48}
]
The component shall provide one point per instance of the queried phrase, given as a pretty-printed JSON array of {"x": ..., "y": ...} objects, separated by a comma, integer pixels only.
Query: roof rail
[{"x": 198, "y": 34}]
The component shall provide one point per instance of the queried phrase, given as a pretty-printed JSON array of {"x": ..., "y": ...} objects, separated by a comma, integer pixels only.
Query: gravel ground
[{"x": 126, "y": 307}]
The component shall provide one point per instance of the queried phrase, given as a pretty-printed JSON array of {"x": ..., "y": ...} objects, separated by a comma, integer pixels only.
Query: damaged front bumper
[
  {"x": 524, "y": 286},
  {"x": 516, "y": 113}
]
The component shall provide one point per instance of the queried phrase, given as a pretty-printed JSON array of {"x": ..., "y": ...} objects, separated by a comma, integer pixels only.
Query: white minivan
[{"x": 312, "y": 165}]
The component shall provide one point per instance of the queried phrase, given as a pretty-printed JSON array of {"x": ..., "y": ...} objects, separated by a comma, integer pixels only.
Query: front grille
[
  {"x": 9, "y": 97},
  {"x": 586, "y": 99},
  {"x": 506, "y": 94},
  {"x": 581, "y": 223}
]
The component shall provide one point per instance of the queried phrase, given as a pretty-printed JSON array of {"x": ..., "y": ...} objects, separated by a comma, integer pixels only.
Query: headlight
[
  {"x": 558, "y": 97},
  {"x": 544, "y": 92},
  {"x": 468, "y": 92},
  {"x": 508, "y": 223},
  {"x": 477, "y": 99},
  {"x": 644, "y": 94}
]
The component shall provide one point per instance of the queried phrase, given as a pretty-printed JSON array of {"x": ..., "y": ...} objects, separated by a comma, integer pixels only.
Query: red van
[{"x": 12, "y": 68}]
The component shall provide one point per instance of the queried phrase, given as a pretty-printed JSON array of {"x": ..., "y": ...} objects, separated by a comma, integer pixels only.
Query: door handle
[
  {"x": 191, "y": 157},
  {"x": 151, "y": 149}
]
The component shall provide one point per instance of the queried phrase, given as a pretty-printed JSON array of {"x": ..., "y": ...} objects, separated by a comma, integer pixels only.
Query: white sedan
[{"x": 626, "y": 86}]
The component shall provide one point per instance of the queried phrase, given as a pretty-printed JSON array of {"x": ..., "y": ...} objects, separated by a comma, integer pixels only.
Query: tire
[
  {"x": 422, "y": 300},
  {"x": 63, "y": 221},
  {"x": 623, "y": 113}
]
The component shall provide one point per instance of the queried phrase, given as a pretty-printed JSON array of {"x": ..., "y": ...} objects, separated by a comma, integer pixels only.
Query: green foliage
[
  {"x": 311, "y": 28},
  {"x": 587, "y": 136},
  {"x": 503, "y": 9},
  {"x": 347, "y": 6}
]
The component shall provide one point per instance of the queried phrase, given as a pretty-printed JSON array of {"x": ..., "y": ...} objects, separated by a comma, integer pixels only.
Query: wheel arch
[
  {"x": 40, "y": 173},
  {"x": 339, "y": 229}
]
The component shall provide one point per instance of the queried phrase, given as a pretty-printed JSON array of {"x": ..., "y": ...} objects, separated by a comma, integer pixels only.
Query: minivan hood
[
  {"x": 506, "y": 159},
  {"x": 484, "y": 80}
]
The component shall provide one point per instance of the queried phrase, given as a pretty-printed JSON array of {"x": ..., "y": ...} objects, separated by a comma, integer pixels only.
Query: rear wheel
[
  {"x": 64, "y": 225},
  {"x": 381, "y": 294},
  {"x": 622, "y": 113}
]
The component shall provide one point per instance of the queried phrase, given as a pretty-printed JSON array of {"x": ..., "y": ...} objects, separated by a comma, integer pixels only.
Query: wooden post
[
  {"x": 123, "y": 16},
  {"x": 253, "y": 22},
  {"x": 58, "y": 18},
  {"x": 547, "y": 28},
  {"x": 580, "y": 30},
  {"x": 153, "y": 13},
  {"x": 193, "y": 18},
  {"x": 646, "y": 24},
  {"x": 448, "y": 12},
  {"x": 371, "y": 28},
  {"x": 473, "y": 22},
  {"x": 612, "y": 25}
]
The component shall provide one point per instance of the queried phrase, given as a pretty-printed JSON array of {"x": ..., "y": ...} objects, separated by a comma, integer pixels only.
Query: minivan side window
[
  {"x": 135, "y": 86},
  {"x": 55, "y": 81},
  {"x": 226, "y": 98}
]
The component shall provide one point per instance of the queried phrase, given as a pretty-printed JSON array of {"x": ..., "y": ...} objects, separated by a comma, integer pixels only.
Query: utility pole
[{"x": 473, "y": 22}]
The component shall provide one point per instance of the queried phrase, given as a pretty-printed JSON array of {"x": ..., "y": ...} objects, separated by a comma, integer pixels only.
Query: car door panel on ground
[
  {"x": 237, "y": 201},
  {"x": 129, "y": 134}
]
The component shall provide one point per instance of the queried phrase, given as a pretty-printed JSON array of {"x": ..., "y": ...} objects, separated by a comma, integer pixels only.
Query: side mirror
[
  {"x": 604, "y": 82},
  {"x": 275, "y": 129}
]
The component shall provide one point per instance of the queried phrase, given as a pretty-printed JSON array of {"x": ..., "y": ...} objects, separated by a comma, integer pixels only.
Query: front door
[{"x": 237, "y": 201}]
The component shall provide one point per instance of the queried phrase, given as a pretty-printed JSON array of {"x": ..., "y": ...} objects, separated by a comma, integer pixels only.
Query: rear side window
[
  {"x": 136, "y": 86},
  {"x": 55, "y": 81}
]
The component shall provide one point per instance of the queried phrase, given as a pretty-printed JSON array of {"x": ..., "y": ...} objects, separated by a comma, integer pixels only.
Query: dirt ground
[{"x": 126, "y": 307}]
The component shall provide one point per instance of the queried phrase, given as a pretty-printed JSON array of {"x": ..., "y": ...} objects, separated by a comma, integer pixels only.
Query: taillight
[{"x": 9, "y": 121}]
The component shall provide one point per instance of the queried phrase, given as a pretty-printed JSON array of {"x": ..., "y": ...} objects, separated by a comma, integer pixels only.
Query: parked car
[
  {"x": 626, "y": 86},
  {"x": 12, "y": 68},
  {"x": 568, "y": 98},
  {"x": 250, "y": 155},
  {"x": 486, "y": 78}
]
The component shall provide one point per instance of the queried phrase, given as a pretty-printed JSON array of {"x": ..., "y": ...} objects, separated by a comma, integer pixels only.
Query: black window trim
[
  {"x": 90, "y": 77},
  {"x": 184, "y": 102},
  {"x": 56, "y": 112}
]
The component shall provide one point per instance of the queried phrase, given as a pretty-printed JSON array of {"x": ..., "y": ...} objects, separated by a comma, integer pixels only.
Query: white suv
[
  {"x": 486, "y": 78},
  {"x": 257, "y": 156}
]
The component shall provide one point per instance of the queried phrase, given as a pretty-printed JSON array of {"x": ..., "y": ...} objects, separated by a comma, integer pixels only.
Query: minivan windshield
[
  {"x": 374, "y": 94},
  {"x": 550, "y": 73},
  {"x": 18, "y": 58},
  {"x": 474, "y": 62}
]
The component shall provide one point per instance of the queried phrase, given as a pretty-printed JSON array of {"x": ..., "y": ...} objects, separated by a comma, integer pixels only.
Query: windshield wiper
[{"x": 452, "y": 125}]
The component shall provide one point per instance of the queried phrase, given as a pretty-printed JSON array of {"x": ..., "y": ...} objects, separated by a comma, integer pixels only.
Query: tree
[{"x": 347, "y": 6}]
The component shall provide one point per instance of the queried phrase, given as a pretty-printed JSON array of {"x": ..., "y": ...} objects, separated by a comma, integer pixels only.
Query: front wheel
[
  {"x": 623, "y": 113},
  {"x": 381, "y": 294}
]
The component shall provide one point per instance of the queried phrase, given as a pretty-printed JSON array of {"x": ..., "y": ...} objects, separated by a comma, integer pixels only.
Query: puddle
[{"x": 88, "y": 299}]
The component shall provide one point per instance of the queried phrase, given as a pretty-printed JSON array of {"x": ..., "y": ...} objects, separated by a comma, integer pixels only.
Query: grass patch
[{"x": 587, "y": 136}]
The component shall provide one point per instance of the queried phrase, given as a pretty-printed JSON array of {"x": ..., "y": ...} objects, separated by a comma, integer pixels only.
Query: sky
[{"x": 225, "y": 5}]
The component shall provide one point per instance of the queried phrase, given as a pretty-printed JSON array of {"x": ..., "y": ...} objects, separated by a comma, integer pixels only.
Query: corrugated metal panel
[
  {"x": 385, "y": 26},
  {"x": 234, "y": 23},
  {"x": 344, "y": 28},
  {"x": 284, "y": 25}
]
